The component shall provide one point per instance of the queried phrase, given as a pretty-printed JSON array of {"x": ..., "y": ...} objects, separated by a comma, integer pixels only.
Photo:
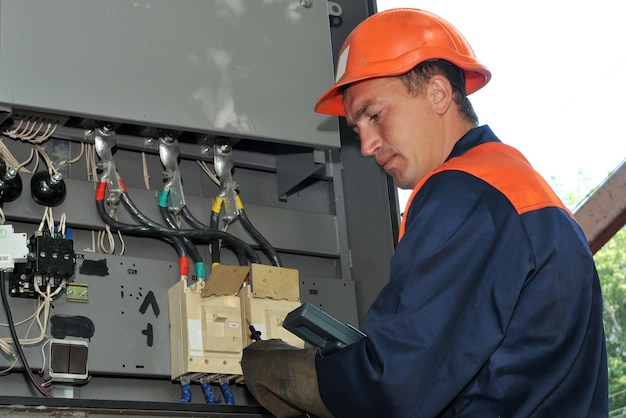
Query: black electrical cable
[
  {"x": 215, "y": 254},
  {"x": 177, "y": 242},
  {"x": 215, "y": 245},
  {"x": 183, "y": 244},
  {"x": 266, "y": 247},
  {"x": 199, "y": 235},
  {"x": 191, "y": 219},
  {"x": 16, "y": 340},
  {"x": 178, "y": 245},
  {"x": 137, "y": 214},
  {"x": 192, "y": 250}
]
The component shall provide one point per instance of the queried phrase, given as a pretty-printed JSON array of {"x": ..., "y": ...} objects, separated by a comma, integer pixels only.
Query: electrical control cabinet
[
  {"x": 146, "y": 147},
  {"x": 249, "y": 69}
]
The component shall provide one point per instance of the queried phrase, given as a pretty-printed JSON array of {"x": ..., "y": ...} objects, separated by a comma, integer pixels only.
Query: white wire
[
  {"x": 208, "y": 172},
  {"x": 31, "y": 132},
  {"x": 42, "y": 152},
  {"x": 33, "y": 154},
  {"x": 62, "y": 224},
  {"x": 44, "y": 219},
  {"x": 146, "y": 175},
  {"x": 105, "y": 241},
  {"x": 8, "y": 369},
  {"x": 79, "y": 156},
  {"x": 12, "y": 132},
  {"x": 42, "y": 309},
  {"x": 25, "y": 131},
  {"x": 10, "y": 159},
  {"x": 90, "y": 162},
  {"x": 32, "y": 135},
  {"x": 52, "y": 127},
  {"x": 44, "y": 358},
  {"x": 102, "y": 247},
  {"x": 37, "y": 159},
  {"x": 119, "y": 234},
  {"x": 49, "y": 163},
  {"x": 23, "y": 321},
  {"x": 108, "y": 234}
]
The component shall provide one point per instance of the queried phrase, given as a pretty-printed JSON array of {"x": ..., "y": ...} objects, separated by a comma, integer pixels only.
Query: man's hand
[{"x": 283, "y": 378}]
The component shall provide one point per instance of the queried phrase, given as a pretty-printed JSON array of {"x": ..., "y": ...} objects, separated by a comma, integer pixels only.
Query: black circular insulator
[
  {"x": 46, "y": 191},
  {"x": 10, "y": 189},
  {"x": 10, "y": 184}
]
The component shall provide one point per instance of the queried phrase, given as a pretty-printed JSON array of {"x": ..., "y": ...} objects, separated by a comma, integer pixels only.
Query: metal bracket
[
  {"x": 224, "y": 164},
  {"x": 334, "y": 9},
  {"x": 104, "y": 141},
  {"x": 169, "y": 151}
]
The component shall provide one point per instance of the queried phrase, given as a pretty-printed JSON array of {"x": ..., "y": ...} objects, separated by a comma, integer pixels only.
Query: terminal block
[
  {"x": 273, "y": 293},
  {"x": 50, "y": 263},
  {"x": 206, "y": 332},
  {"x": 212, "y": 322}
]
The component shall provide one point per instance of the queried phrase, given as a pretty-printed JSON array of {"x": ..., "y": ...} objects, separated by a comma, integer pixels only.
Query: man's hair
[{"x": 417, "y": 78}]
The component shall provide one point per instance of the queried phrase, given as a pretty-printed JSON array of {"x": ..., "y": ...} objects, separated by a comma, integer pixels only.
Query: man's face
[{"x": 402, "y": 131}]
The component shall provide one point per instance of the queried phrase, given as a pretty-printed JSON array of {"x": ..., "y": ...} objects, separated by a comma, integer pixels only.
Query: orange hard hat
[{"x": 391, "y": 43}]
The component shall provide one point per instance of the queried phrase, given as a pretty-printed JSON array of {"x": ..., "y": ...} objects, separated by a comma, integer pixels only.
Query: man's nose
[{"x": 370, "y": 142}]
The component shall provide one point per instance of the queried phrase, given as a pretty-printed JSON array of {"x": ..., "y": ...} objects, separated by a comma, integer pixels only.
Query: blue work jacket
[{"x": 493, "y": 306}]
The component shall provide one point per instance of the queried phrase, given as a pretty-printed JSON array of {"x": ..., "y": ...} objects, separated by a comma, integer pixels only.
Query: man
[{"x": 493, "y": 306}]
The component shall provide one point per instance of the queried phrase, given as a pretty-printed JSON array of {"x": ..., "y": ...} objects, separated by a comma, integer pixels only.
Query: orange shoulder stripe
[{"x": 504, "y": 168}]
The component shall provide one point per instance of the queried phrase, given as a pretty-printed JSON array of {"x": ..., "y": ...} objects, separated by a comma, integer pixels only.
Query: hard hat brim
[{"x": 331, "y": 102}]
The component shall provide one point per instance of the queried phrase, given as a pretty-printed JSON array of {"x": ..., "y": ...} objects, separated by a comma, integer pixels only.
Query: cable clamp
[
  {"x": 104, "y": 141},
  {"x": 169, "y": 152},
  {"x": 224, "y": 164}
]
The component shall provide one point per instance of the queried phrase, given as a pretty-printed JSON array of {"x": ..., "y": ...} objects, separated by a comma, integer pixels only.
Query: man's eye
[{"x": 375, "y": 116}]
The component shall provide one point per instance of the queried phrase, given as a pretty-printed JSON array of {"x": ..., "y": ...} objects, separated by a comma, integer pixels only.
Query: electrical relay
[{"x": 50, "y": 263}]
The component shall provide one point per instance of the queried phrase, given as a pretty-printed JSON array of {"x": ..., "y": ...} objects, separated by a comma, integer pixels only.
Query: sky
[{"x": 558, "y": 86}]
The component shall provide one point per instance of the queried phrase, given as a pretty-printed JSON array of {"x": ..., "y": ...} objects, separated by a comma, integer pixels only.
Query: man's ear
[{"x": 440, "y": 93}]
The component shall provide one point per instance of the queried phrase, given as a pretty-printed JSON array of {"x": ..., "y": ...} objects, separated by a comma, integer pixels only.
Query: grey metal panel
[
  {"x": 291, "y": 230},
  {"x": 372, "y": 216},
  {"x": 369, "y": 219},
  {"x": 119, "y": 345},
  {"x": 336, "y": 297},
  {"x": 249, "y": 69},
  {"x": 131, "y": 301}
]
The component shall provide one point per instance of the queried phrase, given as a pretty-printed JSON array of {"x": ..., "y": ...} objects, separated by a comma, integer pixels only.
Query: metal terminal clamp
[
  {"x": 224, "y": 164},
  {"x": 169, "y": 152},
  {"x": 104, "y": 141}
]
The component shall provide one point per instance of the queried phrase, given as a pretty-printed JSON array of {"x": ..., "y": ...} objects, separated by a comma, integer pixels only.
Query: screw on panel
[{"x": 334, "y": 9}]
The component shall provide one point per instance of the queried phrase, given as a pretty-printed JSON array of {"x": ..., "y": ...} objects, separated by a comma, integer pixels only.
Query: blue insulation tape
[
  {"x": 228, "y": 394},
  {"x": 186, "y": 393},
  {"x": 209, "y": 396}
]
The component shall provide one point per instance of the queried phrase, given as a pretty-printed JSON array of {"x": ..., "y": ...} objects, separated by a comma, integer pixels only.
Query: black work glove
[{"x": 283, "y": 378}]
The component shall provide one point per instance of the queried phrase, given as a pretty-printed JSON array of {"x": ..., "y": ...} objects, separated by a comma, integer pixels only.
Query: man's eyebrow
[{"x": 359, "y": 113}]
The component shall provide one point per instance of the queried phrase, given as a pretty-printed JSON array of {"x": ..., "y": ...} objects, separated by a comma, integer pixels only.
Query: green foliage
[
  {"x": 611, "y": 265},
  {"x": 573, "y": 198}
]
